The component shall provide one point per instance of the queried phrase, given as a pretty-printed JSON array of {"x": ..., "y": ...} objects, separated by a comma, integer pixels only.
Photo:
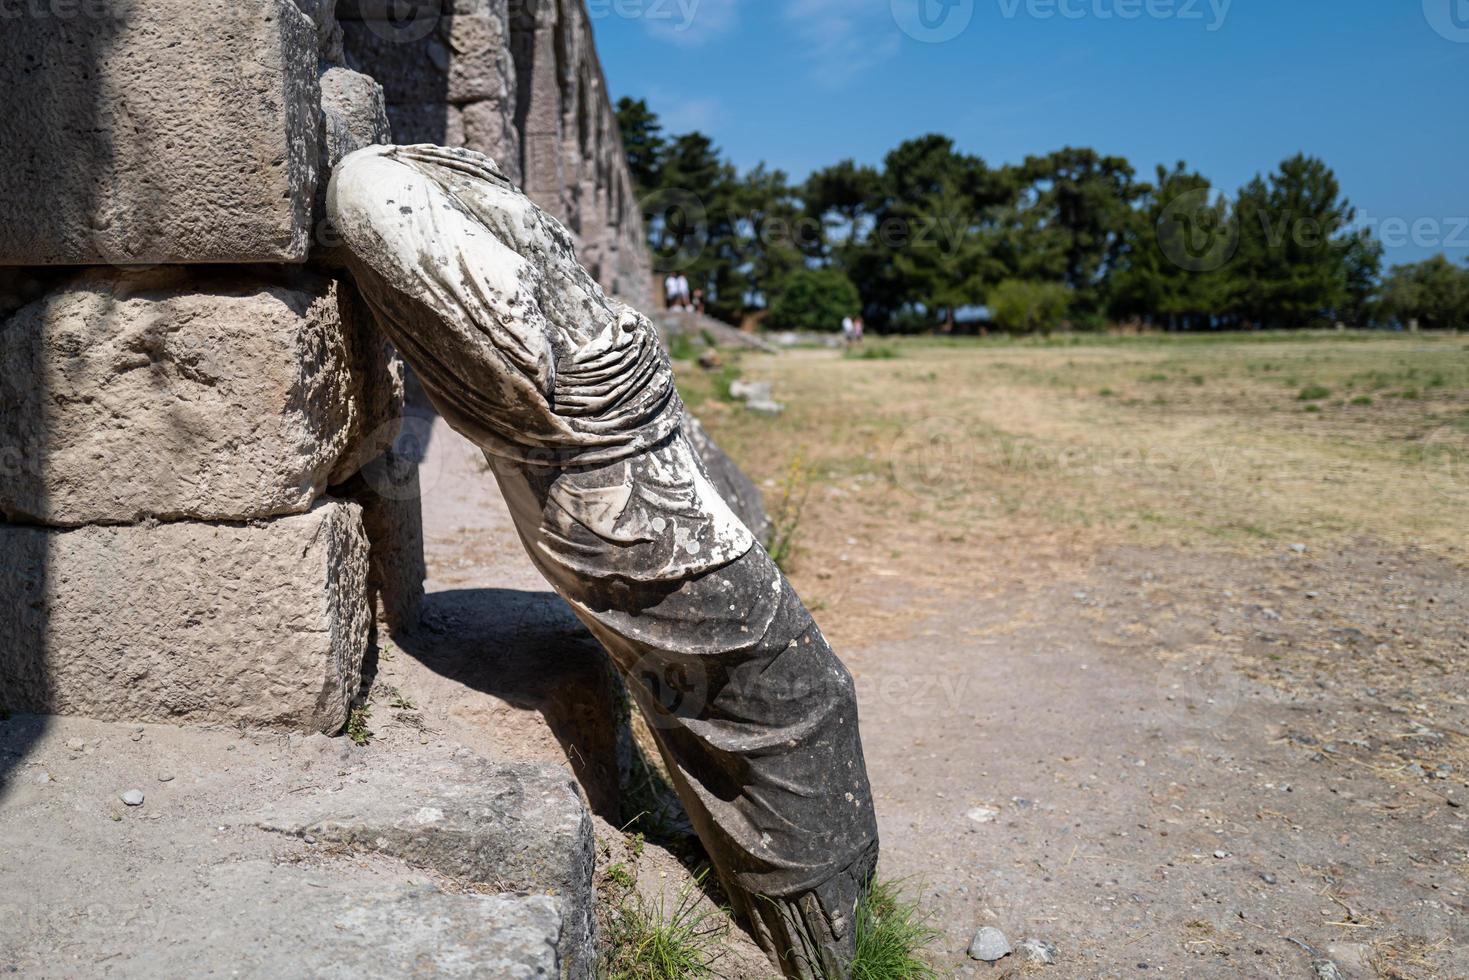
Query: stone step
[{"x": 260, "y": 856}]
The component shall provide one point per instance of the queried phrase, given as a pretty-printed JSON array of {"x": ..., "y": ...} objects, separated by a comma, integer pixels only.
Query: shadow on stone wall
[{"x": 51, "y": 68}]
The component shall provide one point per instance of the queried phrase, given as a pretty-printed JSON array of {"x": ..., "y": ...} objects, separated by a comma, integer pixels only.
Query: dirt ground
[{"x": 1160, "y": 659}]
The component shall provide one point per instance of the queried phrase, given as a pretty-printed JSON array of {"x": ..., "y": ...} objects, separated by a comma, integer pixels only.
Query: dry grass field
[{"x": 1197, "y": 442}]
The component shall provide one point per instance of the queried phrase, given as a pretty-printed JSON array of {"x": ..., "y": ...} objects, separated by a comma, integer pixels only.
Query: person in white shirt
[
  {"x": 670, "y": 291},
  {"x": 848, "y": 330},
  {"x": 684, "y": 298}
]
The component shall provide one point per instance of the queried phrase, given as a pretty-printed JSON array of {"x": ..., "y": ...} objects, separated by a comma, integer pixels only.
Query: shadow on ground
[{"x": 529, "y": 650}]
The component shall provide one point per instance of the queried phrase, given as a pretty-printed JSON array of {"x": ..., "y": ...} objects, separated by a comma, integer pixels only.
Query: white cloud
[
  {"x": 843, "y": 38},
  {"x": 686, "y": 22},
  {"x": 684, "y": 115}
]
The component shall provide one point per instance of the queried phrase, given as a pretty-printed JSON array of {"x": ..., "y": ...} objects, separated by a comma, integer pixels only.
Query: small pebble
[
  {"x": 1040, "y": 952},
  {"x": 75, "y": 744},
  {"x": 165, "y": 777},
  {"x": 1221, "y": 855},
  {"x": 133, "y": 797},
  {"x": 1299, "y": 549},
  {"x": 1268, "y": 878},
  {"x": 990, "y": 945},
  {"x": 44, "y": 777}
]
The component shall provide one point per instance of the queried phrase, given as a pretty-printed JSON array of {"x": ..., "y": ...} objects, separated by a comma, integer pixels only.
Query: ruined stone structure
[
  {"x": 519, "y": 81},
  {"x": 200, "y": 502}
]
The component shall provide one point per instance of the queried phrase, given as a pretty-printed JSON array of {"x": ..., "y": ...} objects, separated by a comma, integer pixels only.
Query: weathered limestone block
[
  {"x": 520, "y": 827},
  {"x": 262, "y": 624},
  {"x": 454, "y": 58},
  {"x": 489, "y": 128},
  {"x": 161, "y": 132},
  {"x": 353, "y": 112},
  {"x": 178, "y": 396},
  {"x": 388, "y": 491}
]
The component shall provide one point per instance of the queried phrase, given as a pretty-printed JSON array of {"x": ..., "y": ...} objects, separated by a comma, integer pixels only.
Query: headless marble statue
[{"x": 571, "y": 398}]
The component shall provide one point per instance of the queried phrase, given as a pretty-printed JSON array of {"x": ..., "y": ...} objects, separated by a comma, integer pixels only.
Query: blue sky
[{"x": 1377, "y": 88}]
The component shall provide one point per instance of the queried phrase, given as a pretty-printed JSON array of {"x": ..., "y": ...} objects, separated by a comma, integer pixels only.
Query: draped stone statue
[{"x": 571, "y": 397}]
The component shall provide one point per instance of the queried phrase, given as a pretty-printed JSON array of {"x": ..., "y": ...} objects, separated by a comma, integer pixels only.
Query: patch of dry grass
[{"x": 1197, "y": 441}]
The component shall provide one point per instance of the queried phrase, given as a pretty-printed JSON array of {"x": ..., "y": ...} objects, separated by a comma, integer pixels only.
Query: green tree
[
  {"x": 1171, "y": 266},
  {"x": 1434, "y": 292},
  {"x": 1294, "y": 266},
  {"x": 642, "y": 141},
  {"x": 839, "y": 203},
  {"x": 1075, "y": 212},
  {"x": 815, "y": 299},
  {"x": 774, "y": 230},
  {"x": 1021, "y": 306},
  {"x": 934, "y": 238}
]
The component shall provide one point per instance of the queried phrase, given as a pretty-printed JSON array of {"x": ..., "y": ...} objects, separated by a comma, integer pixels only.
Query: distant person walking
[
  {"x": 671, "y": 295},
  {"x": 849, "y": 331},
  {"x": 684, "y": 300},
  {"x": 859, "y": 330}
]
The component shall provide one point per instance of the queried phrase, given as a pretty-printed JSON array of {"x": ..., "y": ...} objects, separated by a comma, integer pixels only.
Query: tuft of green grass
[
  {"x": 357, "y": 729},
  {"x": 1107, "y": 393},
  {"x": 1313, "y": 393},
  {"x": 872, "y": 352},
  {"x": 786, "y": 521},
  {"x": 1362, "y": 401},
  {"x": 892, "y": 935},
  {"x": 647, "y": 941},
  {"x": 681, "y": 348}
]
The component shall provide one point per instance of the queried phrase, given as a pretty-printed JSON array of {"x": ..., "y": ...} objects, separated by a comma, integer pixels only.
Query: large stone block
[
  {"x": 164, "y": 131},
  {"x": 520, "y": 827},
  {"x": 489, "y": 128},
  {"x": 262, "y": 624},
  {"x": 177, "y": 396},
  {"x": 456, "y": 58},
  {"x": 353, "y": 112}
]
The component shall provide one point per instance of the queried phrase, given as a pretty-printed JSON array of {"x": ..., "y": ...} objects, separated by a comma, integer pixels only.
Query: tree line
[{"x": 940, "y": 239}]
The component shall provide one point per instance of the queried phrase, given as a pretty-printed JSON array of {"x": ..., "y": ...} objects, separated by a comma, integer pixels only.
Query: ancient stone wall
[
  {"x": 201, "y": 500},
  {"x": 518, "y": 80},
  {"x": 191, "y": 407}
]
